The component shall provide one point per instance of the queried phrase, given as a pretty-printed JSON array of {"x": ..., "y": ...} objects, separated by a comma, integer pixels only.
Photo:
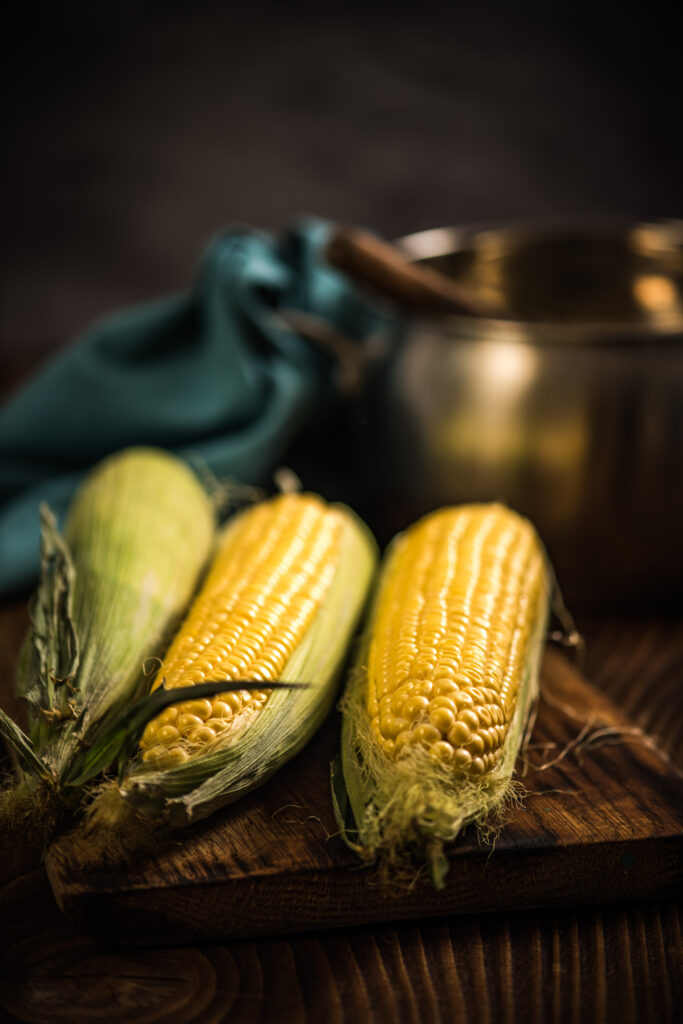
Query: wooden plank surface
[
  {"x": 580, "y": 967},
  {"x": 588, "y": 965},
  {"x": 601, "y": 825}
]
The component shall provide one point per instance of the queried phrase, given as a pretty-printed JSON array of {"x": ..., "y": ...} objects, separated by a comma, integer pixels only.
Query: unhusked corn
[
  {"x": 436, "y": 708},
  {"x": 279, "y": 604},
  {"x": 264, "y": 588}
]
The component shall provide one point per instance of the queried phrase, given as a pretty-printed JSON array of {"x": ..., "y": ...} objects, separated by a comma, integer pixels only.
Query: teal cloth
[{"x": 212, "y": 374}]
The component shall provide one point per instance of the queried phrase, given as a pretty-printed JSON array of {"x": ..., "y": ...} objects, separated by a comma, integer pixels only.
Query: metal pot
[{"x": 569, "y": 407}]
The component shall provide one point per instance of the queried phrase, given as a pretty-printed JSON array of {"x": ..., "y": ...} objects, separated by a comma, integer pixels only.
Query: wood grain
[
  {"x": 606, "y": 826},
  {"x": 532, "y": 965},
  {"x": 581, "y": 966},
  {"x": 638, "y": 663}
]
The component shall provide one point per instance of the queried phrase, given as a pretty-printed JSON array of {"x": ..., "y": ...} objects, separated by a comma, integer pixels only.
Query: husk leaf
[
  {"x": 137, "y": 537},
  {"x": 28, "y": 759},
  {"x": 53, "y": 656},
  {"x": 117, "y": 737}
]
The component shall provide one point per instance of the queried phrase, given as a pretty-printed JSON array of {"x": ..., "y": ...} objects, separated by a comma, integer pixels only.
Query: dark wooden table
[{"x": 597, "y": 963}]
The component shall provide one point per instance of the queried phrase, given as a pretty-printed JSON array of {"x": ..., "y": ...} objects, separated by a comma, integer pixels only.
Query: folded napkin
[{"x": 218, "y": 375}]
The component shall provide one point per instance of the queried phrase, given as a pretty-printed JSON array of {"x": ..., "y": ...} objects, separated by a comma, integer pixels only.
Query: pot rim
[{"x": 435, "y": 242}]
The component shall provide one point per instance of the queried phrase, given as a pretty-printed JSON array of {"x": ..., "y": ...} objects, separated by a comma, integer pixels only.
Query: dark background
[{"x": 135, "y": 130}]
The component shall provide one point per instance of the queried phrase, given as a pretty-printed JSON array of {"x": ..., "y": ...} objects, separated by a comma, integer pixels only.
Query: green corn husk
[
  {"x": 298, "y": 704},
  {"x": 137, "y": 537}
]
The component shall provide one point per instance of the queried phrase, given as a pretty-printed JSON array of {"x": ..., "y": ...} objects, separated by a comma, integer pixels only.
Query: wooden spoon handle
[{"x": 385, "y": 269}]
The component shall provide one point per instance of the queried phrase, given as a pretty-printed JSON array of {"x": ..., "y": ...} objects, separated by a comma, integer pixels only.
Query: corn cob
[
  {"x": 279, "y": 603},
  {"x": 436, "y": 708},
  {"x": 137, "y": 536}
]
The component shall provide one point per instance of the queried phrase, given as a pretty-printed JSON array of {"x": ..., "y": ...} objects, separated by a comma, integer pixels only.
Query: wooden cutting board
[{"x": 607, "y": 826}]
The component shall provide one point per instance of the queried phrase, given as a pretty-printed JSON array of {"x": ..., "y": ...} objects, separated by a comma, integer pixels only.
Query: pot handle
[{"x": 384, "y": 268}]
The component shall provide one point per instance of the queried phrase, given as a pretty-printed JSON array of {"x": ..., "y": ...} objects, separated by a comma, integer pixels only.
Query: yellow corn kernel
[
  {"x": 266, "y": 584},
  {"x": 188, "y": 723},
  {"x": 200, "y": 709},
  {"x": 232, "y": 701},
  {"x": 169, "y": 716},
  {"x": 221, "y": 710},
  {"x": 427, "y": 734},
  {"x": 442, "y": 719},
  {"x": 162, "y": 757},
  {"x": 150, "y": 732},
  {"x": 202, "y": 735},
  {"x": 442, "y": 751},
  {"x": 167, "y": 734}
]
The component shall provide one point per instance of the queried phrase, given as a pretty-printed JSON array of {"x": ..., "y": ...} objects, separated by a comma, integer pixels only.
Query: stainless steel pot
[{"x": 569, "y": 407}]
